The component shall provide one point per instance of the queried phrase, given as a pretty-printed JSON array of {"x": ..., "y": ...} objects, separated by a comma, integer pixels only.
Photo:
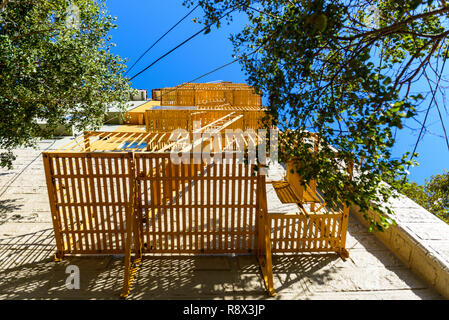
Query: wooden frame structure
[
  {"x": 90, "y": 199},
  {"x": 203, "y": 208},
  {"x": 167, "y": 120},
  {"x": 121, "y": 192},
  {"x": 210, "y": 94},
  {"x": 136, "y": 203}
]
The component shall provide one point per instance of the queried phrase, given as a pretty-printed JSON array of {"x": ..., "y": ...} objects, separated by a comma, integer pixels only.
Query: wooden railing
[{"x": 137, "y": 203}]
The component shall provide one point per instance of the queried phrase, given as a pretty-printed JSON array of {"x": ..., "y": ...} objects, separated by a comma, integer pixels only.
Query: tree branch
[
  {"x": 3, "y": 4},
  {"x": 392, "y": 28}
]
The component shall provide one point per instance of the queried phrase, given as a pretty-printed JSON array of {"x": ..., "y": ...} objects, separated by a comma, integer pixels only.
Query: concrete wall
[{"x": 419, "y": 239}]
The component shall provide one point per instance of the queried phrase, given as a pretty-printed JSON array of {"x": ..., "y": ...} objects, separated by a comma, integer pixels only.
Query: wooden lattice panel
[
  {"x": 196, "y": 208},
  {"x": 169, "y": 120},
  {"x": 120, "y": 140},
  {"x": 89, "y": 197},
  {"x": 201, "y": 94},
  {"x": 307, "y": 233}
]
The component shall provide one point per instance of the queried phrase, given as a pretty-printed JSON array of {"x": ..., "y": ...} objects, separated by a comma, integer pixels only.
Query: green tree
[
  {"x": 56, "y": 66},
  {"x": 344, "y": 69},
  {"x": 434, "y": 195}
]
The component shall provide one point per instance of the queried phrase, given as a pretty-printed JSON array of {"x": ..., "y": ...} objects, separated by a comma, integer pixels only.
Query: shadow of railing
[
  {"x": 28, "y": 271},
  {"x": 25, "y": 263},
  {"x": 26, "y": 249},
  {"x": 171, "y": 277},
  {"x": 295, "y": 268}
]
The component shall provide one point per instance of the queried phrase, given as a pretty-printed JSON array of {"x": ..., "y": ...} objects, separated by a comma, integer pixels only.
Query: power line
[
  {"x": 210, "y": 72},
  {"x": 174, "y": 26},
  {"x": 181, "y": 44},
  {"x": 202, "y": 76},
  {"x": 223, "y": 66}
]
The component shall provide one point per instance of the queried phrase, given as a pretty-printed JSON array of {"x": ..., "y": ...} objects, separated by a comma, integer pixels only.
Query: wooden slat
[
  {"x": 182, "y": 208},
  {"x": 191, "y": 218},
  {"x": 300, "y": 233},
  {"x": 85, "y": 205}
]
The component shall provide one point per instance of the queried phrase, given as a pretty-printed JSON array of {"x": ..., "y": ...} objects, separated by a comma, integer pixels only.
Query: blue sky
[{"x": 141, "y": 22}]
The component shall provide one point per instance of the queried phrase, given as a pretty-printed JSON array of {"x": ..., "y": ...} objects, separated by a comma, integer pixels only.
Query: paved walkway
[{"x": 27, "y": 269}]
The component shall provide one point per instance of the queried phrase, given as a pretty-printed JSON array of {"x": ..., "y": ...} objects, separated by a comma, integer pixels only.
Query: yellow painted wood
[
  {"x": 131, "y": 128},
  {"x": 88, "y": 218},
  {"x": 285, "y": 192},
  {"x": 119, "y": 193},
  {"x": 136, "y": 116},
  {"x": 264, "y": 237},
  {"x": 169, "y": 120},
  {"x": 207, "y": 94}
]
